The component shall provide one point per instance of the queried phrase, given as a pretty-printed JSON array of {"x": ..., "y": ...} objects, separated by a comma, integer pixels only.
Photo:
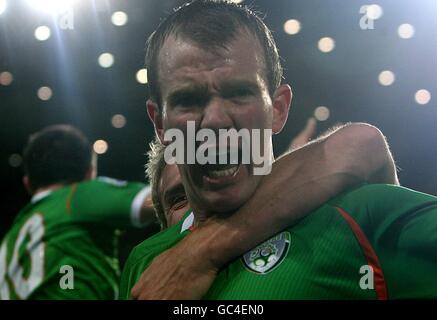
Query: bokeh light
[
  {"x": 142, "y": 76},
  {"x": 6, "y": 78},
  {"x": 118, "y": 121},
  {"x": 3, "y": 6},
  {"x": 292, "y": 27},
  {"x": 51, "y": 6},
  {"x": 45, "y": 93},
  {"x": 326, "y": 44},
  {"x": 100, "y": 146},
  {"x": 374, "y": 11},
  {"x": 423, "y": 96},
  {"x": 15, "y": 160},
  {"x": 119, "y": 18},
  {"x": 321, "y": 113},
  {"x": 406, "y": 31},
  {"x": 42, "y": 33},
  {"x": 386, "y": 78},
  {"x": 106, "y": 60}
]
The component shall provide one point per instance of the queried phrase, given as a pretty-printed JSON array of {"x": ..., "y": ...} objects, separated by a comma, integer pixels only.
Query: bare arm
[
  {"x": 305, "y": 135},
  {"x": 300, "y": 182}
]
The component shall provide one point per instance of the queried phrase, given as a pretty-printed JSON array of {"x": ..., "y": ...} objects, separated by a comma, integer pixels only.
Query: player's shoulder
[
  {"x": 105, "y": 181},
  {"x": 382, "y": 194},
  {"x": 375, "y": 205},
  {"x": 106, "y": 186}
]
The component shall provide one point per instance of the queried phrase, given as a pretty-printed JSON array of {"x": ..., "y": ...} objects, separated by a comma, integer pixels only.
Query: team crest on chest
[{"x": 268, "y": 255}]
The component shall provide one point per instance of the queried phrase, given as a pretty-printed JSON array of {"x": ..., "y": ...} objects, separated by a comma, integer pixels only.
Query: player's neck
[
  {"x": 49, "y": 188},
  {"x": 200, "y": 216}
]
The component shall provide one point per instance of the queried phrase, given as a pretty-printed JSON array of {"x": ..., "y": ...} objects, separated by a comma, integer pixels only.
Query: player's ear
[
  {"x": 156, "y": 117},
  {"x": 281, "y": 106},
  {"x": 27, "y": 185}
]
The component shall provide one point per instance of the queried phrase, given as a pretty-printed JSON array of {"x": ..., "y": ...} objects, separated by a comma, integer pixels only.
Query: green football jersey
[
  {"x": 373, "y": 242},
  {"x": 63, "y": 244}
]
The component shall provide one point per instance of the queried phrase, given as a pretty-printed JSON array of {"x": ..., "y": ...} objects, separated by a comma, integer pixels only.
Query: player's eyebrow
[
  {"x": 199, "y": 94},
  {"x": 238, "y": 88},
  {"x": 191, "y": 93}
]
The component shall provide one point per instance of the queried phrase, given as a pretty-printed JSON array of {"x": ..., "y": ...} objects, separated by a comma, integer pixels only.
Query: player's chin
[{"x": 227, "y": 200}]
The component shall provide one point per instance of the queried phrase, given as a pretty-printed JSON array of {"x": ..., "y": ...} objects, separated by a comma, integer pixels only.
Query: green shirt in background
[{"x": 71, "y": 229}]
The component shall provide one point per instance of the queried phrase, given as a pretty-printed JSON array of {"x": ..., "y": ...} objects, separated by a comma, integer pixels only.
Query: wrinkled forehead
[{"x": 179, "y": 57}]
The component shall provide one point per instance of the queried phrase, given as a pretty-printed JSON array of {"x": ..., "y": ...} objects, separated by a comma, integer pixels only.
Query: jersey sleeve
[
  {"x": 401, "y": 225},
  {"x": 114, "y": 202},
  {"x": 402, "y": 219}
]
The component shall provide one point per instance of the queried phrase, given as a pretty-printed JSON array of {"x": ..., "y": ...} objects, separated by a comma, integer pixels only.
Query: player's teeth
[{"x": 223, "y": 173}]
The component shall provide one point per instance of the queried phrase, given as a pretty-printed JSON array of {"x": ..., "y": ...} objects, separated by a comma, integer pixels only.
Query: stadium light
[
  {"x": 100, "y": 146},
  {"x": 106, "y": 60},
  {"x": 406, "y": 31},
  {"x": 45, "y": 93},
  {"x": 386, "y": 78},
  {"x": 374, "y": 11},
  {"x": 142, "y": 76},
  {"x": 118, "y": 121},
  {"x": 6, "y": 78},
  {"x": 326, "y": 44},
  {"x": 51, "y": 6},
  {"x": 42, "y": 33},
  {"x": 3, "y": 6},
  {"x": 423, "y": 96},
  {"x": 119, "y": 18},
  {"x": 321, "y": 113},
  {"x": 292, "y": 26}
]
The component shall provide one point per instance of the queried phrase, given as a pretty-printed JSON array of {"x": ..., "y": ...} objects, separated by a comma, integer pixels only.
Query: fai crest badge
[{"x": 268, "y": 255}]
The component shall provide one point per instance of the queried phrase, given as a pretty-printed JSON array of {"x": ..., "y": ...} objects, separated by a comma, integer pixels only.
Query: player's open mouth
[
  {"x": 225, "y": 170},
  {"x": 220, "y": 176},
  {"x": 219, "y": 171}
]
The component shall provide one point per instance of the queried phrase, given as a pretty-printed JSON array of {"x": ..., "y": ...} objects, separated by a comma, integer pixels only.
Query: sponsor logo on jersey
[{"x": 268, "y": 255}]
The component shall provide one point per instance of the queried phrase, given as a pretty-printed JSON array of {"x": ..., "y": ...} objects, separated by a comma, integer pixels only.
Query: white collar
[
  {"x": 40, "y": 195},
  {"x": 188, "y": 222}
]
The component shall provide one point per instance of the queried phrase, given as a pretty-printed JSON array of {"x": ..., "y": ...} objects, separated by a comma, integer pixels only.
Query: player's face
[
  {"x": 173, "y": 198},
  {"x": 221, "y": 90}
]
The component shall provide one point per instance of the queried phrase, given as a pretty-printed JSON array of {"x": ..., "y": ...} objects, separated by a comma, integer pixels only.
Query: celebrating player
[
  {"x": 216, "y": 63},
  {"x": 62, "y": 245}
]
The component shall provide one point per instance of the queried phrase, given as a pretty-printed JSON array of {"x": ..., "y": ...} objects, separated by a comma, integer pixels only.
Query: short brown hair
[
  {"x": 212, "y": 24},
  {"x": 56, "y": 154}
]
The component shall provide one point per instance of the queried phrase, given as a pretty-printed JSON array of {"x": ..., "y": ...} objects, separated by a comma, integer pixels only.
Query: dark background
[{"x": 345, "y": 80}]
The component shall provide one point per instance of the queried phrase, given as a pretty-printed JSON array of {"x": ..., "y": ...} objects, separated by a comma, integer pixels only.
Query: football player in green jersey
[
  {"x": 362, "y": 244},
  {"x": 168, "y": 194},
  {"x": 171, "y": 204},
  {"x": 63, "y": 244}
]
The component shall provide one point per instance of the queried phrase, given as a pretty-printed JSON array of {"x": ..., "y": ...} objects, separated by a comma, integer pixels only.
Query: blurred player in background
[{"x": 63, "y": 244}]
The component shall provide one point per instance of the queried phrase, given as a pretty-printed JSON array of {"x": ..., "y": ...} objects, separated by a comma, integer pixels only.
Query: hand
[
  {"x": 181, "y": 273},
  {"x": 305, "y": 135}
]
